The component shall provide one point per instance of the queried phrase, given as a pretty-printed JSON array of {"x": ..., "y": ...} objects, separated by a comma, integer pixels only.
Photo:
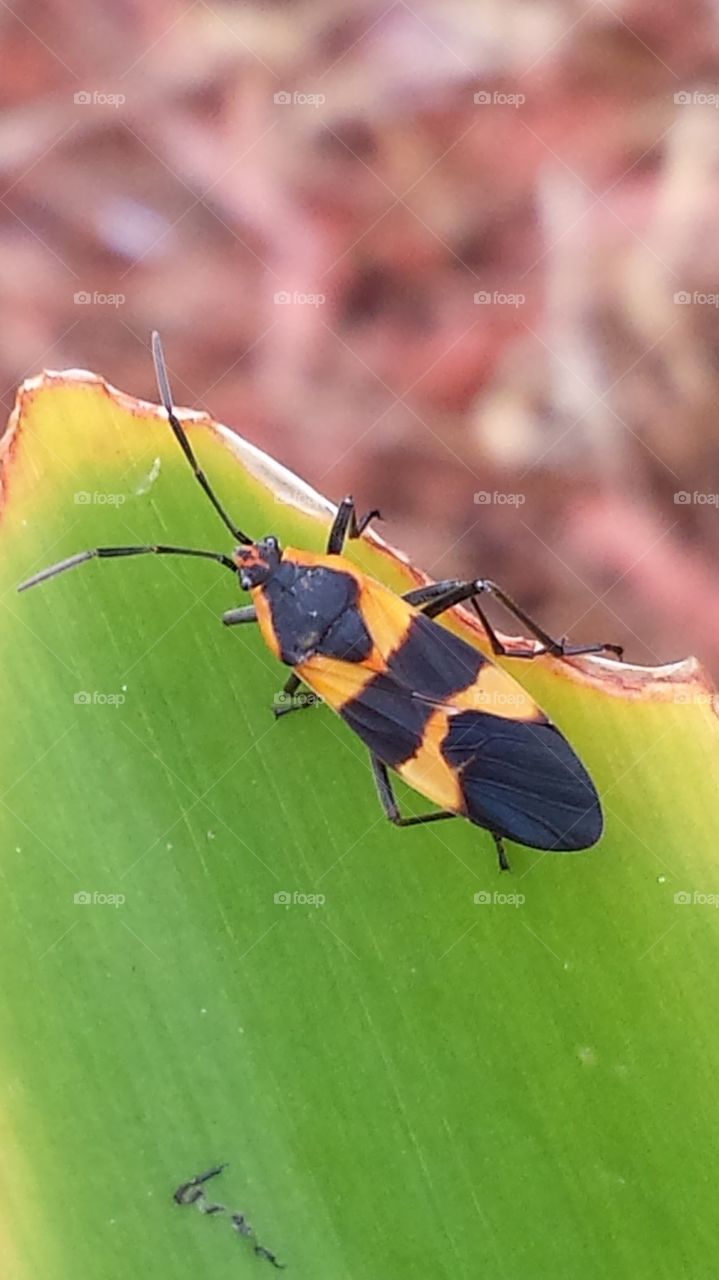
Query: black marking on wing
[
  {"x": 433, "y": 661},
  {"x": 388, "y": 719},
  {"x": 523, "y": 781}
]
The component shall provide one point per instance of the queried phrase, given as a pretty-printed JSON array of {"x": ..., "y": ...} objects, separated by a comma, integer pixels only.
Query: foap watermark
[
  {"x": 498, "y": 98},
  {"x": 485, "y": 898},
  {"x": 498, "y": 498},
  {"x": 297, "y": 899},
  {"x": 496, "y": 698},
  {"x": 84, "y": 298},
  {"x": 694, "y": 698},
  {"x": 498, "y": 298},
  {"x": 98, "y": 98},
  {"x": 96, "y": 698},
  {"x": 683, "y": 298},
  {"x": 298, "y": 99},
  {"x": 85, "y": 498},
  {"x": 696, "y": 98},
  {"x": 86, "y": 899},
  {"x": 696, "y": 899},
  {"x": 295, "y": 299},
  {"x": 301, "y": 699},
  {"x": 685, "y": 499}
]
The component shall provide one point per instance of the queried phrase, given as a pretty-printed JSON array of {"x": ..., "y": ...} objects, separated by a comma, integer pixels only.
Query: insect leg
[
  {"x": 389, "y": 803},
  {"x": 391, "y": 808},
  {"x": 501, "y": 853},
  {"x": 246, "y": 613},
  {"x": 346, "y": 525},
  {"x": 433, "y": 591},
  {"x": 443, "y": 595}
]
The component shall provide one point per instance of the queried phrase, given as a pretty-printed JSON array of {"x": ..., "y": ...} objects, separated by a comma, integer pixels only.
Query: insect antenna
[
  {"x": 180, "y": 434},
  {"x": 102, "y": 553}
]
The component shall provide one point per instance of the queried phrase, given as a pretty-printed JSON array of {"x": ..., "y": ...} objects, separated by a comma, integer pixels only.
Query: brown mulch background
[{"x": 583, "y": 189}]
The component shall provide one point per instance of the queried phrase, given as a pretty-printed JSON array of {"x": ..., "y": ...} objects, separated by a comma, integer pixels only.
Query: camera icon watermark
[
  {"x": 696, "y": 899},
  {"x": 682, "y": 498},
  {"x": 498, "y": 298},
  {"x": 86, "y": 899},
  {"x": 295, "y": 898},
  {"x": 96, "y": 98},
  {"x": 95, "y": 698},
  {"x": 496, "y": 899},
  {"x": 84, "y": 298},
  {"x": 295, "y": 299},
  {"x": 696, "y": 98},
  {"x": 496, "y": 98},
  {"x": 483, "y": 498},
  {"x": 84, "y": 498},
  {"x": 497, "y": 698},
  {"x": 697, "y": 298},
  {"x": 301, "y": 699},
  {"x": 691, "y": 697},
  {"x": 298, "y": 99}
]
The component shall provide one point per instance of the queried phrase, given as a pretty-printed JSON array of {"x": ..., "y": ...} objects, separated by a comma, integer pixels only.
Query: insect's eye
[
  {"x": 272, "y": 542},
  {"x": 245, "y": 581}
]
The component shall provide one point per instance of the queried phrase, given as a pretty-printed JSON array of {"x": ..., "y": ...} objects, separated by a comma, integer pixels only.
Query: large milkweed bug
[{"x": 428, "y": 705}]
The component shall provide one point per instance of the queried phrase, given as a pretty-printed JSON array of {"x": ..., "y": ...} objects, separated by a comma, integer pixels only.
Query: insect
[
  {"x": 192, "y": 1192},
  {"x": 427, "y": 705}
]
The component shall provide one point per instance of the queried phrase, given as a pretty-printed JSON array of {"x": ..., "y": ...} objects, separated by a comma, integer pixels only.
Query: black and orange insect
[{"x": 426, "y": 704}]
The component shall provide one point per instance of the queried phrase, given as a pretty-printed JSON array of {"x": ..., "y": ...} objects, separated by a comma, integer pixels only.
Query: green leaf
[{"x": 405, "y": 1081}]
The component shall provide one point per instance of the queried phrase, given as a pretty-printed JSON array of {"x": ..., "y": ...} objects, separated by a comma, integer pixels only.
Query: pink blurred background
[{"x": 459, "y": 259}]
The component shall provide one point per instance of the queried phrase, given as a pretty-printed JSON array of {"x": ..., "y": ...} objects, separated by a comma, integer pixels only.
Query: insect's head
[{"x": 257, "y": 562}]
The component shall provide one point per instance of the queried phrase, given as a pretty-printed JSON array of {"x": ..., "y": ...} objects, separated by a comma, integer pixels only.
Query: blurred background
[{"x": 458, "y": 258}]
